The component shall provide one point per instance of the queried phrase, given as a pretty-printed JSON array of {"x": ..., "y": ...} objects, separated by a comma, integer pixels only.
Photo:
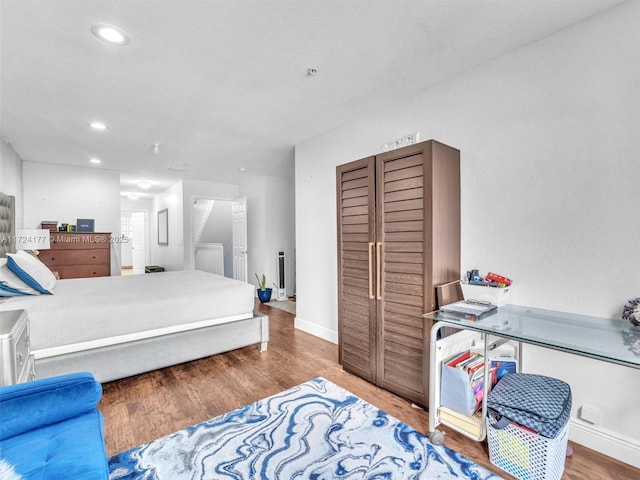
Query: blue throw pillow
[
  {"x": 32, "y": 271},
  {"x": 12, "y": 283}
]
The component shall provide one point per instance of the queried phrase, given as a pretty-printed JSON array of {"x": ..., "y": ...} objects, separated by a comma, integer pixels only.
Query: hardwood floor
[{"x": 142, "y": 408}]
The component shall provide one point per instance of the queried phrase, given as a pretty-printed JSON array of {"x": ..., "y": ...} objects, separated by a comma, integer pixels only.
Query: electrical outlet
[{"x": 589, "y": 414}]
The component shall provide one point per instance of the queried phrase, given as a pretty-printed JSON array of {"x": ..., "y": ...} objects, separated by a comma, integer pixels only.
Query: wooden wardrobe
[{"x": 398, "y": 238}]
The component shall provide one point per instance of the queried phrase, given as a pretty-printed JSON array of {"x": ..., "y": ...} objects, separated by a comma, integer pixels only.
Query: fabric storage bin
[
  {"x": 538, "y": 402},
  {"x": 526, "y": 454}
]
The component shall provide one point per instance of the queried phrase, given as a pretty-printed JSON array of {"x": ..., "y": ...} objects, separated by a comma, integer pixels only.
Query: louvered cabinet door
[
  {"x": 356, "y": 267},
  {"x": 401, "y": 235},
  {"x": 418, "y": 235}
]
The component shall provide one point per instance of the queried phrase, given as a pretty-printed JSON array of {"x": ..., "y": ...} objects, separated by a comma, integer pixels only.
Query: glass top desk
[{"x": 615, "y": 341}]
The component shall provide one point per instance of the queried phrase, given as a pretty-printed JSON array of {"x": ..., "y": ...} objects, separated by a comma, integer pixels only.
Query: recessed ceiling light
[
  {"x": 110, "y": 34},
  {"x": 133, "y": 196},
  {"x": 144, "y": 185},
  {"x": 243, "y": 169},
  {"x": 95, "y": 160},
  {"x": 98, "y": 126}
]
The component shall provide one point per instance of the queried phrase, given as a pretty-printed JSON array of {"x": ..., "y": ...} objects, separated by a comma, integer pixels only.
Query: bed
[{"x": 121, "y": 326}]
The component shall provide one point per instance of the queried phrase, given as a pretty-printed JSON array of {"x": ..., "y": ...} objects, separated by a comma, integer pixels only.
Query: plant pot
[{"x": 264, "y": 295}]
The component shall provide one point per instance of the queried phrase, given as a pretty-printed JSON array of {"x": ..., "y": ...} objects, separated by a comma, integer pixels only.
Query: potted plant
[{"x": 264, "y": 293}]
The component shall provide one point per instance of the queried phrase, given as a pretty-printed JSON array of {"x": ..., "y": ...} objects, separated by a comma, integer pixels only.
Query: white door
[
  {"x": 240, "y": 239},
  {"x": 137, "y": 242}
]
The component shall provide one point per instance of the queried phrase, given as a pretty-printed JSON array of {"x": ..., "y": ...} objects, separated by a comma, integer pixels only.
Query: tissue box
[
  {"x": 497, "y": 296},
  {"x": 49, "y": 225}
]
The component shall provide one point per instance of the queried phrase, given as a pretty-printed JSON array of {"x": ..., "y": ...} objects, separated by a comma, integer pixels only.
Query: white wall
[
  {"x": 549, "y": 157},
  {"x": 64, "y": 194},
  {"x": 218, "y": 228},
  {"x": 170, "y": 256},
  {"x": 11, "y": 177},
  {"x": 271, "y": 223},
  {"x": 280, "y": 221},
  {"x": 256, "y": 192}
]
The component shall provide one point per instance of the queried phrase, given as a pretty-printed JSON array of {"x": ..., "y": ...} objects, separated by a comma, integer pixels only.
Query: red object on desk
[{"x": 494, "y": 277}]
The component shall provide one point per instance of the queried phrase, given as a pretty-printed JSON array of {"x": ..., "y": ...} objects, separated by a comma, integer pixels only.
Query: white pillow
[
  {"x": 7, "y": 472},
  {"x": 32, "y": 271},
  {"x": 11, "y": 280}
]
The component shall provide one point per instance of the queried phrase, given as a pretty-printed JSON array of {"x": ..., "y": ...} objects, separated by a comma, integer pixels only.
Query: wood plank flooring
[{"x": 142, "y": 408}]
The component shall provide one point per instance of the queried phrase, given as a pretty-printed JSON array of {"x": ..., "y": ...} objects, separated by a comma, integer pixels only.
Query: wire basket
[{"x": 527, "y": 455}]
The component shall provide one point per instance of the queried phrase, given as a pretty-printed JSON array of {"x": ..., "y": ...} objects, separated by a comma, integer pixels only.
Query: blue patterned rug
[{"x": 316, "y": 430}]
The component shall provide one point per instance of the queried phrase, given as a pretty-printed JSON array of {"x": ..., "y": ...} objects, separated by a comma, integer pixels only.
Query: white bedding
[{"x": 90, "y": 311}]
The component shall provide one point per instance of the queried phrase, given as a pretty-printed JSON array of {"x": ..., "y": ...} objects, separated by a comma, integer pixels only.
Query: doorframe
[
  {"x": 147, "y": 236},
  {"x": 192, "y": 200}
]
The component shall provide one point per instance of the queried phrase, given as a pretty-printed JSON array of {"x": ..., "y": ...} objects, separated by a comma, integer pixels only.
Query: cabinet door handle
[
  {"x": 370, "y": 270},
  {"x": 378, "y": 289}
]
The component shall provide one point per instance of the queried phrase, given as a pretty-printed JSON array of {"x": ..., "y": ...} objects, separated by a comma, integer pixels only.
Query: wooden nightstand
[{"x": 17, "y": 364}]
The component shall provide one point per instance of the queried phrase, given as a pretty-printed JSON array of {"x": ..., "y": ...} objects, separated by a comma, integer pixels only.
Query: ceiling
[{"x": 223, "y": 84}]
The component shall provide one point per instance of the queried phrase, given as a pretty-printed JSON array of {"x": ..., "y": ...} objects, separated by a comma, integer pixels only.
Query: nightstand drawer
[{"x": 14, "y": 345}]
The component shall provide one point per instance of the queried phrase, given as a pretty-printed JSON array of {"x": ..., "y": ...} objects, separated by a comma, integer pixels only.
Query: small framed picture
[
  {"x": 163, "y": 227},
  {"x": 85, "y": 225}
]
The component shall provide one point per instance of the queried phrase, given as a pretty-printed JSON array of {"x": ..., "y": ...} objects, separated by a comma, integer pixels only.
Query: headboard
[{"x": 7, "y": 224}]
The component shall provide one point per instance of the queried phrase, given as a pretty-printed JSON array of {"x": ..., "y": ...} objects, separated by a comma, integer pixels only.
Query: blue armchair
[{"x": 50, "y": 428}]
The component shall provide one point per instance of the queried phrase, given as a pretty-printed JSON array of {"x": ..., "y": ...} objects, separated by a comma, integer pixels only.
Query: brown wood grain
[
  {"x": 78, "y": 255},
  {"x": 389, "y": 256},
  {"x": 145, "y": 407}
]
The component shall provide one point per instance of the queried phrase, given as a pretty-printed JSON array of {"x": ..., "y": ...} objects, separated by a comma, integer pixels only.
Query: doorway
[{"x": 219, "y": 237}]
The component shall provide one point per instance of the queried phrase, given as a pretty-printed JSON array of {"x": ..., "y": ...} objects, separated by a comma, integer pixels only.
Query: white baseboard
[
  {"x": 612, "y": 444},
  {"x": 313, "y": 329}
]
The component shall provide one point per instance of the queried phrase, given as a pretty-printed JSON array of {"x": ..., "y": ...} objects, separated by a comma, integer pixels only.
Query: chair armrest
[{"x": 27, "y": 406}]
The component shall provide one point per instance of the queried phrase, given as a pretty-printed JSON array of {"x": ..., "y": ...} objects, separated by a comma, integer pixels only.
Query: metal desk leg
[
  {"x": 435, "y": 374},
  {"x": 436, "y": 436}
]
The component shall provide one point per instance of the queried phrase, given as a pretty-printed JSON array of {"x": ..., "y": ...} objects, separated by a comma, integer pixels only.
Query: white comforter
[{"x": 93, "y": 309}]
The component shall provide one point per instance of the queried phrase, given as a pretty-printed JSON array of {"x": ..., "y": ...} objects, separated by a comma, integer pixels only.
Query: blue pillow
[
  {"x": 32, "y": 271},
  {"x": 12, "y": 281}
]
